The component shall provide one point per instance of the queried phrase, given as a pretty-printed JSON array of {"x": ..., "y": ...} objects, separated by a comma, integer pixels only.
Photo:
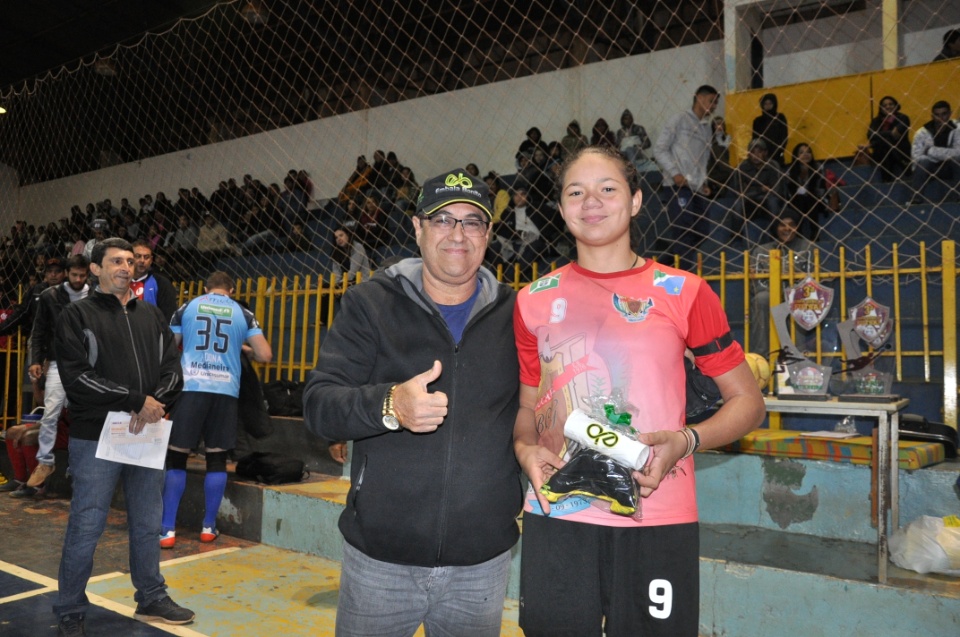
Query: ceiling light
[
  {"x": 254, "y": 13},
  {"x": 105, "y": 67}
]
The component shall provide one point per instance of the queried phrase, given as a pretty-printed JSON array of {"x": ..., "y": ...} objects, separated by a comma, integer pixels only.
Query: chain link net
[{"x": 244, "y": 139}]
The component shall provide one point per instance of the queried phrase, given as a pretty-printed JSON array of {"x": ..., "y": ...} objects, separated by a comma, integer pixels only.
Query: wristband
[
  {"x": 696, "y": 438},
  {"x": 691, "y": 441}
]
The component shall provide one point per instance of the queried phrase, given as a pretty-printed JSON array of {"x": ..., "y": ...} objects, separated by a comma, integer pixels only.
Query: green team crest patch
[{"x": 545, "y": 283}]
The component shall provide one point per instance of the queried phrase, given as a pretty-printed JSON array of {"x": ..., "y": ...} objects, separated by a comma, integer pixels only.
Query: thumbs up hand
[{"x": 418, "y": 409}]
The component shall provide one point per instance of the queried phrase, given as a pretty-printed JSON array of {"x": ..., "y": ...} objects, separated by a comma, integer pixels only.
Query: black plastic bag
[
  {"x": 285, "y": 398},
  {"x": 271, "y": 468},
  {"x": 252, "y": 407},
  {"x": 592, "y": 474},
  {"x": 702, "y": 392}
]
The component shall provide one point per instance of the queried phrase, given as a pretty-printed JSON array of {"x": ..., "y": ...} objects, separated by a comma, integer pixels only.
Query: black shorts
[
  {"x": 578, "y": 579},
  {"x": 210, "y": 416}
]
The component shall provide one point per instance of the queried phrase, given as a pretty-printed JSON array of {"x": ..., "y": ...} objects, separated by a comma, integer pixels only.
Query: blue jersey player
[{"x": 214, "y": 330}]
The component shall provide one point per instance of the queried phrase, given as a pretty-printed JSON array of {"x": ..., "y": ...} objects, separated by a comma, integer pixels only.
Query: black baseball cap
[{"x": 455, "y": 186}]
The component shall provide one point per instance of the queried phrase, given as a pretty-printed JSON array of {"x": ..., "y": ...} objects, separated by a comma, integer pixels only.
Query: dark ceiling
[{"x": 39, "y": 35}]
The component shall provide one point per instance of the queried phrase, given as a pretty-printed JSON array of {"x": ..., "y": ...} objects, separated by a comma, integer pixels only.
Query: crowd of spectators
[{"x": 190, "y": 232}]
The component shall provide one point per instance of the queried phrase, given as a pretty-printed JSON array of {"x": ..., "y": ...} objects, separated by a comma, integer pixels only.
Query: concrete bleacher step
[
  {"x": 743, "y": 569},
  {"x": 821, "y": 579}
]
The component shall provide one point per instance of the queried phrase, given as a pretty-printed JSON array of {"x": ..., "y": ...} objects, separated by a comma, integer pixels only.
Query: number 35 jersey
[{"x": 213, "y": 328}]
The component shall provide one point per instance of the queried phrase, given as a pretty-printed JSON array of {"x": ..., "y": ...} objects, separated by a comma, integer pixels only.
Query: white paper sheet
[
  {"x": 840, "y": 435},
  {"x": 146, "y": 449}
]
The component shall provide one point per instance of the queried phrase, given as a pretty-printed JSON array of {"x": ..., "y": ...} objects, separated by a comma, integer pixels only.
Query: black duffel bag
[
  {"x": 284, "y": 397},
  {"x": 268, "y": 467}
]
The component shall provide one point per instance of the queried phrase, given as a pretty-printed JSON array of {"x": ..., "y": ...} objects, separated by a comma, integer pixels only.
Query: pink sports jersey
[{"x": 581, "y": 334}]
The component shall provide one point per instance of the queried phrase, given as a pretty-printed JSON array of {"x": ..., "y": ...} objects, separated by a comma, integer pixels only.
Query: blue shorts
[
  {"x": 212, "y": 417},
  {"x": 578, "y": 579}
]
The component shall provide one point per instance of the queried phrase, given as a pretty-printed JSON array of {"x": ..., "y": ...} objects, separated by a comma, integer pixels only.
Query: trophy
[
  {"x": 869, "y": 323},
  {"x": 808, "y": 303}
]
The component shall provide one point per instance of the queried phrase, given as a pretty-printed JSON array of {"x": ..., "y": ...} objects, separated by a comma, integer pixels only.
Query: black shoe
[
  {"x": 164, "y": 610},
  {"x": 71, "y": 626},
  {"x": 10, "y": 486},
  {"x": 26, "y": 492}
]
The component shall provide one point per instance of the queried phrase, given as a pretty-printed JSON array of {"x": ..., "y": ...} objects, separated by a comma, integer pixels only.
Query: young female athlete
[{"x": 616, "y": 321}]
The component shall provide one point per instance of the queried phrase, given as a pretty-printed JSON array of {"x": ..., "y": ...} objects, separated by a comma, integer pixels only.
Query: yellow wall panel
[
  {"x": 833, "y": 115},
  {"x": 918, "y": 87},
  {"x": 830, "y": 115}
]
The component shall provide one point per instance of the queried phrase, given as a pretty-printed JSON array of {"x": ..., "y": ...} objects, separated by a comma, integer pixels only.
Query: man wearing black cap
[
  {"x": 43, "y": 364},
  {"x": 419, "y": 370}
]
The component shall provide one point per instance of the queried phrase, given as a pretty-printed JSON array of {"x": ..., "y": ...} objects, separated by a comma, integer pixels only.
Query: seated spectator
[
  {"x": 519, "y": 233},
  {"x": 472, "y": 170},
  {"x": 348, "y": 256},
  {"x": 555, "y": 155},
  {"x": 255, "y": 234},
  {"x": 807, "y": 192},
  {"x": 99, "y": 228},
  {"x": 889, "y": 139},
  {"x": 358, "y": 181},
  {"x": 153, "y": 236},
  {"x": 771, "y": 127},
  {"x": 533, "y": 141},
  {"x": 382, "y": 177},
  {"x": 372, "y": 226},
  {"x": 786, "y": 238},
  {"x": 631, "y": 140},
  {"x": 759, "y": 188},
  {"x": 538, "y": 179},
  {"x": 936, "y": 151},
  {"x": 77, "y": 243},
  {"x": 292, "y": 204},
  {"x": 574, "y": 140},
  {"x": 131, "y": 224},
  {"x": 500, "y": 198},
  {"x": 201, "y": 203},
  {"x": 407, "y": 191},
  {"x": 299, "y": 241},
  {"x": 22, "y": 445},
  {"x": 719, "y": 170},
  {"x": 125, "y": 207},
  {"x": 951, "y": 46},
  {"x": 213, "y": 241},
  {"x": 602, "y": 135}
]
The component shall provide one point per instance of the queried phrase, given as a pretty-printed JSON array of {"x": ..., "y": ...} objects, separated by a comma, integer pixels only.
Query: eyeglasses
[{"x": 446, "y": 223}]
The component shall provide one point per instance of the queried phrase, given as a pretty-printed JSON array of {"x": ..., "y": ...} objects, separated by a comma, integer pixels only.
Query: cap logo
[{"x": 460, "y": 180}]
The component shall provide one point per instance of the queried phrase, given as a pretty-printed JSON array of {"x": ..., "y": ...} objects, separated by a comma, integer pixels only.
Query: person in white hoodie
[{"x": 936, "y": 151}]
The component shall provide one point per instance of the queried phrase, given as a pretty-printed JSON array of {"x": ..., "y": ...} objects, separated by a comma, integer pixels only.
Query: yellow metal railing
[{"x": 294, "y": 310}]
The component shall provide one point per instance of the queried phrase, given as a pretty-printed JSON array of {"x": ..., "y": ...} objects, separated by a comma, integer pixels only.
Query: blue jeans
[
  {"x": 94, "y": 482},
  {"x": 689, "y": 225},
  {"x": 392, "y": 600},
  {"x": 54, "y": 397}
]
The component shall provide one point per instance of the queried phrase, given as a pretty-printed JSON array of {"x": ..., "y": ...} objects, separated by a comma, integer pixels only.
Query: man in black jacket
[
  {"x": 419, "y": 370},
  {"x": 23, "y": 314},
  {"x": 115, "y": 353},
  {"x": 149, "y": 284},
  {"x": 42, "y": 353}
]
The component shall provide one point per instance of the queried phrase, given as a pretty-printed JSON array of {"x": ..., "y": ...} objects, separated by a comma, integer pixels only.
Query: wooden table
[{"x": 887, "y": 462}]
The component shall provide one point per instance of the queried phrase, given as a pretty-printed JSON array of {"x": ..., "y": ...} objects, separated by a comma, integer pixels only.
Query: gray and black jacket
[
  {"x": 447, "y": 498},
  {"x": 111, "y": 357}
]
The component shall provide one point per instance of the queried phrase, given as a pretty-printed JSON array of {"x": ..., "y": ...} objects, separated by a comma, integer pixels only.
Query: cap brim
[{"x": 427, "y": 212}]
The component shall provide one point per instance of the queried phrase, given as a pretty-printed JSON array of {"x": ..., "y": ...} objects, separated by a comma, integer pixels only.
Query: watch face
[{"x": 391, "y": 422}]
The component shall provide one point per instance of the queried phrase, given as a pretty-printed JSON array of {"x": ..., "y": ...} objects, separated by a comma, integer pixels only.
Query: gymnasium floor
[{"x": 237, "y": 588}]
